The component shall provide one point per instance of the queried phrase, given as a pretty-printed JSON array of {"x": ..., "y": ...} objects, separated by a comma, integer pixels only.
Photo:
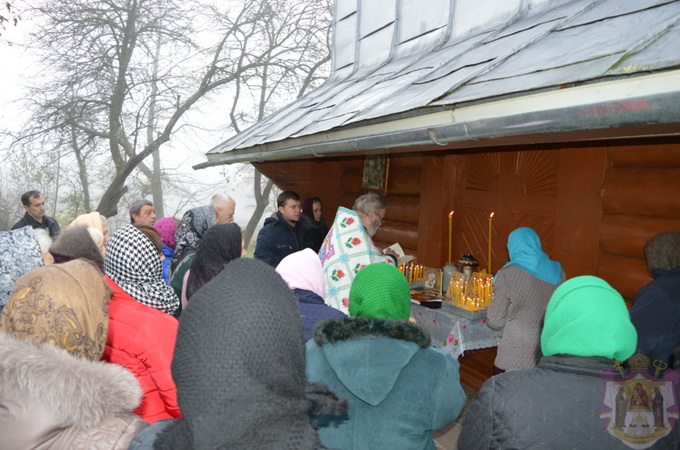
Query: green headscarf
[
  {"x": 587, "y": 317},
  {"x": 380, "y": 291}
]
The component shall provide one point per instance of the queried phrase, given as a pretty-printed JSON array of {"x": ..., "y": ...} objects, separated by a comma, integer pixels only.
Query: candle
[
  {"x": 488, "y": 261},
  {"x": 450, "y": 234}
]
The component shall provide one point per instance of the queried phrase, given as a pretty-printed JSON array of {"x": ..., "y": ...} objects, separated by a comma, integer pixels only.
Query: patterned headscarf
[
  {"x": 191, "y": 229},
  {"x": 239, "y": 366},
  {"x": 62, "y": 304},
  {"x": 524, "y": 249},
  {"x": 134, "y": 264},
  {"x": 19, "y": 254},
  {"x": 166, "y": 230},
  {"x": 220, "y": 245}
]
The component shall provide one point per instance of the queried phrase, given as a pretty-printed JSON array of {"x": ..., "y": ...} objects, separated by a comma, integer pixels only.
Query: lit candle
[
  {"x": 450, "y": 234},
  {"x": 488, "y": 261}
]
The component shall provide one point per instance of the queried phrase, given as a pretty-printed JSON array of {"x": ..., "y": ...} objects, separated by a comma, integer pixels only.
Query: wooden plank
[
  {"x": 627, "y": 234},
  {"x": 626, "y": 275},
  {"x": 437, "y": 197},
  {"x": 476, "y": 367},
  {"x": 406, "y": 234},
  {"x": 664, "y": 152},
  {"x": 649, "y": 192},
  {"x": 578, "y": 212}
]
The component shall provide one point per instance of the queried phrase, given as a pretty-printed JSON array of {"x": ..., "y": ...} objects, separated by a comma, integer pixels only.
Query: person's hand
[
  {"x": 412, "y": 319},
  {"x": 389, "y": 251}
]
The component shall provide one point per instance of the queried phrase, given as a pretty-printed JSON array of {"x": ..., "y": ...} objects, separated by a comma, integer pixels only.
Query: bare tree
[{"x": 121, "y": 75}]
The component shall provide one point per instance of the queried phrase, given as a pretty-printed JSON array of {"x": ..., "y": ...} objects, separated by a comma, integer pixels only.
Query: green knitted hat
[
  {"x": 587, "y": 317},
  {"x": 380, "y": 291}
]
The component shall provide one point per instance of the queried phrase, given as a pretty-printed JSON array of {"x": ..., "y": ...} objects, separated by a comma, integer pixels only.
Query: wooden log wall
[{"x": 640, "y": 198}]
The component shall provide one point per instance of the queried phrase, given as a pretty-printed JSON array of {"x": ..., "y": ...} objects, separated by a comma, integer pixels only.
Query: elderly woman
[
  {"x": 398, "y": 386},
  {"x": 522, "y": 289},
  {"x": 55, "y": 393},
  {"x": 239, "y": 365},
  {"x": 94, "y": 220}
]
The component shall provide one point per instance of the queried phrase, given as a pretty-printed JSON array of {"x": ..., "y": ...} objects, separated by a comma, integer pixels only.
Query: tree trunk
[
  {"x": 156, "y": 183},
  {"x": 261, "y": 203}
]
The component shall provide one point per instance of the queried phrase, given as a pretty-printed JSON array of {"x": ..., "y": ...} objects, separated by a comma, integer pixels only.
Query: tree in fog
[{"x": 120, "y": 77}]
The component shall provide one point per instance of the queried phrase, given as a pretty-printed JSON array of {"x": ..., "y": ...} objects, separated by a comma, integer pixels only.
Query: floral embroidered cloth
[
  {"x": 454, "y": 334},
  {"x": 347, "y": 249}
]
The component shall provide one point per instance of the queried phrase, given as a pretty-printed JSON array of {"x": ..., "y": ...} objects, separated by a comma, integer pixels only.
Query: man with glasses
[
  {"x": 285, "y": 232},
  {"x": 349, "y": 247}
]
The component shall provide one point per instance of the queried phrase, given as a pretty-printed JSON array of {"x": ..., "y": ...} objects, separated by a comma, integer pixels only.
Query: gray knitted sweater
[{"x": 518, "y": 308}]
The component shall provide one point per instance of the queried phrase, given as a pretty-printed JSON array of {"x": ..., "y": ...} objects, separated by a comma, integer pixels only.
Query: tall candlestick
[
  {"x": 488, "y": 261},
  {"x": 450, "y": 234}
]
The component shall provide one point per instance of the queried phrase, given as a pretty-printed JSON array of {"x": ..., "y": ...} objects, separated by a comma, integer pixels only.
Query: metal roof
[{"x": 395, "y": 59}]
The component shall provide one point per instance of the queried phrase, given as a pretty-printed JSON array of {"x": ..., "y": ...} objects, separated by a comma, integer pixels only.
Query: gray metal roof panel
[{"x": 395, "y": 56}]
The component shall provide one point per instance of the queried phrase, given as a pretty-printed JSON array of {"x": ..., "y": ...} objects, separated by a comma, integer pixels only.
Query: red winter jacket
[{"x": 142, "y": 339}]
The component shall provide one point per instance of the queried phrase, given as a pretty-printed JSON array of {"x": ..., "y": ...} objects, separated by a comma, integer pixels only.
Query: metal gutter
[{"x": 651, "y": 100}]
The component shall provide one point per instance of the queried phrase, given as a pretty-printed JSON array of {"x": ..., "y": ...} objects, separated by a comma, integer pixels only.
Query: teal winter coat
[{"x": 399, "y": 388}]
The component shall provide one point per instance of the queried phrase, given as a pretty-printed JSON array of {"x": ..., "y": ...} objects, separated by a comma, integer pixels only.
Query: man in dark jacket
[
  {"x": 656, "y": 310},
  {"x": 284, "y": 233},
  {"x": 34, "y": 204}
]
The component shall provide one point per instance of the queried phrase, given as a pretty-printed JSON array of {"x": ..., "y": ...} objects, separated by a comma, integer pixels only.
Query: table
[{"x": 452, "y": 333}]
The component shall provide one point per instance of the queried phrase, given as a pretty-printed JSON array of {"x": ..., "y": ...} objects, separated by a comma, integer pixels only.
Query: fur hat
[
  {"x": 587, "y": 317},
  {"x": 381, "y": 291},
  {"x": 663, "y": 251},
  {"x": 75, "y": 242}
]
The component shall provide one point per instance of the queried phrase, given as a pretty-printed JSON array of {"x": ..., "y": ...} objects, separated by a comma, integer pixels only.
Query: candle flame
[
  {"x": 451, "y": 214},
  {"x": 491, "y": 215}
]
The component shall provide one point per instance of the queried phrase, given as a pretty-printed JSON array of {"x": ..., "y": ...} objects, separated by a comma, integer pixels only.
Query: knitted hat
[
  {"x": 166, "y": 230},
  {"x": 302, "y": 270},
  {"x": 239, "y": 366},
  {"x": 380, "y": 291},
  {"x": 587, "y": 317}
]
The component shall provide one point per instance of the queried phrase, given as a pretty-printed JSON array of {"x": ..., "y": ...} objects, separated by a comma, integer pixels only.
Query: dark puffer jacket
[
  {"x": 555, "y": 405},
  {"x": 656, "y": 316},
  {"x": 277, "y": 239}
]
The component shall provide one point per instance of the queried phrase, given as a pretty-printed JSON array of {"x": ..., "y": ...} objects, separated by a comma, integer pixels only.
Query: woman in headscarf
[
  {"x": 522, "y": 289},
  {"x": 303, "y": 274},
  {"x": 134, "y": 264},
  {"x": 560, "y": 403},
  {"x": 313, "y": 208},
  {"x": 239, "y": 365},
  {"x": 221, "y": 244},
  {"x": 142, "y": 338},
  {"x": 55, "y": 393},
  {"x": 398, "y": 386},
  {"x": 166, "y": 230}
]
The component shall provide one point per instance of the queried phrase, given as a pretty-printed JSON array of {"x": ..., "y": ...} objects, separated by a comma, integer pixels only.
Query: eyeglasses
[{"x": 382, "y": 218}]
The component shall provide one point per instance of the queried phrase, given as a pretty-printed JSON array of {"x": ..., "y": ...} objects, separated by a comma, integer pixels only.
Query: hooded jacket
[
  {"x": 398, "y": 387},
  {"x": 52, "y": 399}
]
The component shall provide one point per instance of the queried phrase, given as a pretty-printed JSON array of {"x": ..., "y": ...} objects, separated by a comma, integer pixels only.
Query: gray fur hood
[{"x": 75, "y": 392}]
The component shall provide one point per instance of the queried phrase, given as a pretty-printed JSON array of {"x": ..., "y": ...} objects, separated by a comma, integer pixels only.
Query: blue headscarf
[{"x": 524, "y": 248}]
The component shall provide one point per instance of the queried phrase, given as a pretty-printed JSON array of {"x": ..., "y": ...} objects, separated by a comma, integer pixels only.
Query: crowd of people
[{"x": 164, "y": 336}]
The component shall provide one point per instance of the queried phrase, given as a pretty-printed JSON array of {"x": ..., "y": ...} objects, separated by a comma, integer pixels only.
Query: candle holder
[{"x": 468, "y": 264}]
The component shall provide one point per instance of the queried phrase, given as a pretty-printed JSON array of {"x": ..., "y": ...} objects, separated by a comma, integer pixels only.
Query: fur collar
[
  {"x": 78, "y": 392},
  {"x": 332, "y": 331}
]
